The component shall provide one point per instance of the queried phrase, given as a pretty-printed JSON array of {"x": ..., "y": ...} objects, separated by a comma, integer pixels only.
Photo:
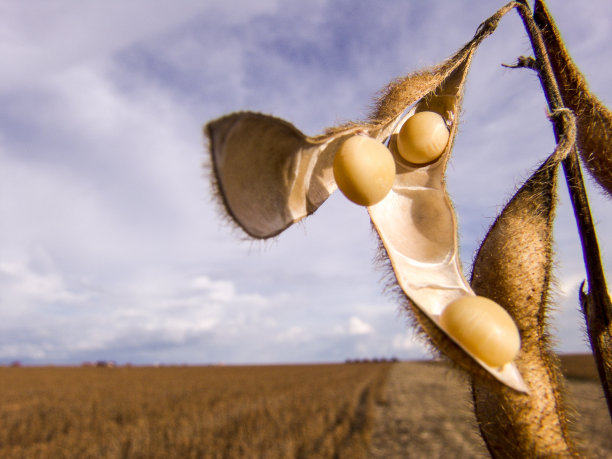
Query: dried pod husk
[
  {"x": 268, "y": 174},
  {"x": 594, "y": 120},
  {"x": 513, "y": 267},
  {"x": 417, "y": 225}
]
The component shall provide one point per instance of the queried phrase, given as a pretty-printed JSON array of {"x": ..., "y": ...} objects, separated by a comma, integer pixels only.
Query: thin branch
[{"x": 524, "y": 62}]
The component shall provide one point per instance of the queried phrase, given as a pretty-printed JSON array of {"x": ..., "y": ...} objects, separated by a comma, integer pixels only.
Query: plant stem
[{"x": 596, "y": 305}]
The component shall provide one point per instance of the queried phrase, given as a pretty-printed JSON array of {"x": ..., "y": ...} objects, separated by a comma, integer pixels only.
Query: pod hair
[{"x": 594, "y": 119}]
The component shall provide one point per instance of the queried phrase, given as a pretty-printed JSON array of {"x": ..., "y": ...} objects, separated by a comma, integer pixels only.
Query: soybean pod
[
  {"x": 513, "y": 267},
  {"x": 269, "y": 175}
]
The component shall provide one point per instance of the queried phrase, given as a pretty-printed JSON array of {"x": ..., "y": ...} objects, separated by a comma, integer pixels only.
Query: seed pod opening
[
  {"x": 513, "y": 268},
  {"x": 416, "y": 222},
  {"x": 594, "y": 119}
]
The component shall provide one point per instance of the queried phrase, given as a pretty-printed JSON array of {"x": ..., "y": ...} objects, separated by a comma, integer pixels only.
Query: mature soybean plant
[{"x": 269, "y": 175}]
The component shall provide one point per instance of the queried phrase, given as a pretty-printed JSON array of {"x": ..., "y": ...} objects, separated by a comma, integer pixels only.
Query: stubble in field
[{"x": 428, "y": 412}]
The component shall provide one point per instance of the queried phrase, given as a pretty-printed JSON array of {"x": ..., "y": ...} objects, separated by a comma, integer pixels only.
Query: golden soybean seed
[
  {"x": 364, "y": 170},
  {"x": 484, "y": 328},
  {"x": 423, "y": 137}
]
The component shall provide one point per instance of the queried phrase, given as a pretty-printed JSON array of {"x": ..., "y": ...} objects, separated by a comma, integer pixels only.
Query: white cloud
[
  {"x": 43, "y": 38},
  {"x": 26, "y": 284},
  {"x": 223, "y": 291},
  {"x": 294, "y": 334},
  {"x": 359, "y": 327},
  {"x": 47, "y": 317},
  {"x": 406, "y": 342}
]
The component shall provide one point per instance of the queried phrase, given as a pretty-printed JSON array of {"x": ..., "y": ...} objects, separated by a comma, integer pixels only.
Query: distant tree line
[{"x": 373, "y": 360}]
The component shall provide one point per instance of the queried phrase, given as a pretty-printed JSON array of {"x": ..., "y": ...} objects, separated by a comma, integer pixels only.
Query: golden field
[
  {"x": 374, "y": 410},
  {"x": 189, "y": 412}
]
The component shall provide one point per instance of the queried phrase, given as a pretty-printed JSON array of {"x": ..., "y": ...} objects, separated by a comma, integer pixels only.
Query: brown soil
[{"x": 426, "y": 413}]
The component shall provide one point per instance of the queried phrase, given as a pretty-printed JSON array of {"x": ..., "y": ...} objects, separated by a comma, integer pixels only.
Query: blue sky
[{"x": 111, "y": 245}]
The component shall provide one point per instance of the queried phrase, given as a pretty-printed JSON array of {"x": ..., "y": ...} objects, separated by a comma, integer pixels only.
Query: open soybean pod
[
  {"x": 594, "y": 119},
  {"x": 417, "y": 224},
  {"x": 513, "y": 267},
  {"x": 270, "y": 175}
]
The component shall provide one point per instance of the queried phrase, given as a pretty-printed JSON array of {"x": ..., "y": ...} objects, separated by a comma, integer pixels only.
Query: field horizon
[{"x": 574, "y": 362}]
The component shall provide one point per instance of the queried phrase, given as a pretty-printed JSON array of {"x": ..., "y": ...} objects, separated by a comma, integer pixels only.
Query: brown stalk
[
  {"x": 597, "y": 306},
  {"x": 593, "y": 117}
]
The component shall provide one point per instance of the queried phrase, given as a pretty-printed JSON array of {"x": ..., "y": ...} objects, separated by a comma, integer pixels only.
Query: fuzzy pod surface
[{"x": 513, "y": 267}]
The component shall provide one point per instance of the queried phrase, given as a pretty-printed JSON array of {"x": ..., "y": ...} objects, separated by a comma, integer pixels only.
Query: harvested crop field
[
  {"x": 427, "y": 413},
  {"x": 379, "y": 410},
  {"x": 189, "y": 412}
]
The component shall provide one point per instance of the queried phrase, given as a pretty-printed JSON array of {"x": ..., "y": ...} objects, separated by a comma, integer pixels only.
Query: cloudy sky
[{"x": 111, "y": 245}]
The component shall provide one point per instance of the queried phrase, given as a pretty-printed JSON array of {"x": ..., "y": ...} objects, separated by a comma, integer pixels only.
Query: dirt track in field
[{"x": 426, "y": 413}]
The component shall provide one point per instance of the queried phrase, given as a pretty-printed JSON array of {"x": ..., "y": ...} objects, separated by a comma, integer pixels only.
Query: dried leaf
[
  {"x": 513, "y": 267},
  {"x": 594, "y": 119}
]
